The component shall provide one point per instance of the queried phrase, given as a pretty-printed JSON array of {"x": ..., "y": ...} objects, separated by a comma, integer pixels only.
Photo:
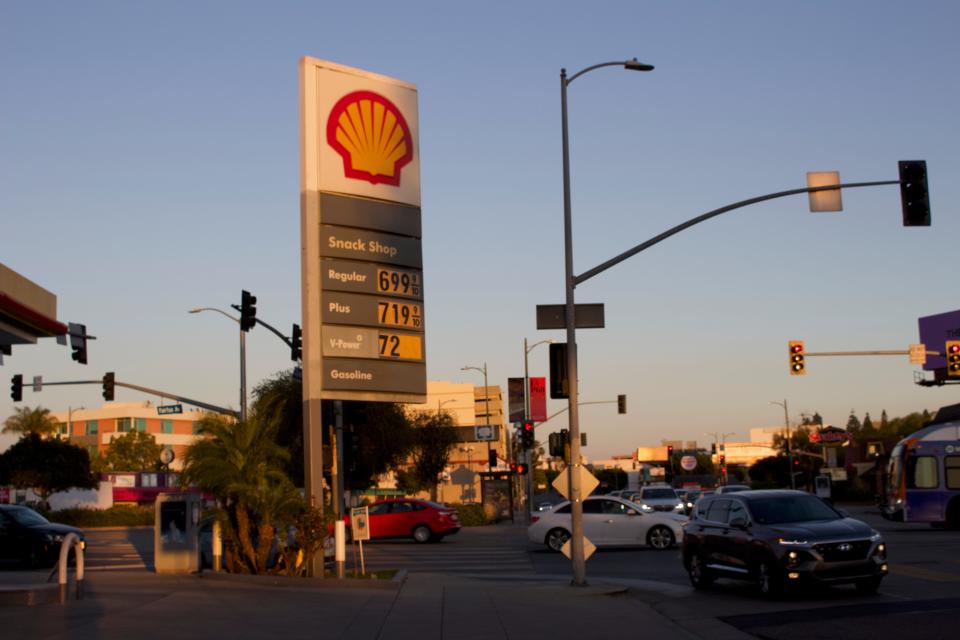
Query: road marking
[{"x": 923, "y": 574}]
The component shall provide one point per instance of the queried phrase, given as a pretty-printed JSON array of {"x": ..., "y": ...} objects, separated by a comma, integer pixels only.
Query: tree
[
  {"x": 853, "y": 424},
  {"x": 242, "y": 465},
  {"x": 46, "y": 465},
  {"x": 279, "y": 400},
  {"x": 133, "y": 451},
  {"x": 868, "y": 430},
  {"x": 26, "y": 420},
  {"x": 433, "y": 440}
]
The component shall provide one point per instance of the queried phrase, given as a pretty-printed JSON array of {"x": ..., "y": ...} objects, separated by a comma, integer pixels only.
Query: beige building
[{"x": 95, "y": 428}]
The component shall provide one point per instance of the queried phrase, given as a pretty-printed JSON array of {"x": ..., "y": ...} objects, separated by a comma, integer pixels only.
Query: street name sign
[
  {"x": 585, "y": 316},
  {"x": 165, "y": 409}
]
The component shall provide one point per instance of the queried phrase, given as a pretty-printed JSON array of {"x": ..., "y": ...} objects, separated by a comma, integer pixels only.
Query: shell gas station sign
[{"x": 362, "y": 264}]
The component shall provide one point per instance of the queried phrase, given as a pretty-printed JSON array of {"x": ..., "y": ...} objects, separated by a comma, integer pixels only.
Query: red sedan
[{"x": 422, "y": 520}]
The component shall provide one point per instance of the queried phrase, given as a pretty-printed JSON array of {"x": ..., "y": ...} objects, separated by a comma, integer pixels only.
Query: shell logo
[{"x": 372, "y": 137}]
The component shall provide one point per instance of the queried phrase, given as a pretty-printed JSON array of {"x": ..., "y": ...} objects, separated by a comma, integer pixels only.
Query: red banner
[{"x": 538, "y": 399}]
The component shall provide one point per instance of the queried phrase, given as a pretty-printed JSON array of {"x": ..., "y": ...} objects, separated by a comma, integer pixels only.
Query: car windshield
[
  {"x": 27, "y": 517},
  {"x": 659, "y": 494},
  {"x": 786, "y": 509}
]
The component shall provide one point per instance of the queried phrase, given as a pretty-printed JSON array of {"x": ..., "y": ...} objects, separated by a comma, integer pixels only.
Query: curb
[
  {"x": 29, "y": 595},
  {"x": 287, "y": 582}
]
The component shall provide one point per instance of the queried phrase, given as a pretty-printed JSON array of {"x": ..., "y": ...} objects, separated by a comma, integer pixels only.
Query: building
[
  {"x": 95, "y": 428},
  {"x": 27, "y": 312}
]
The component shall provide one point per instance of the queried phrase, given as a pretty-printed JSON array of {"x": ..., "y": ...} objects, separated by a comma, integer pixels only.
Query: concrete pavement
[{"x": 421, "y": 606}]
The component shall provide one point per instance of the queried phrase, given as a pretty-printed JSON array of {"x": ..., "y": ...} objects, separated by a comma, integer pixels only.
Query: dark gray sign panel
[
  {"x": 586, "y": 316},
  {"x": 374, "y": 375},
  {"x": 372, "y": 311},
  {"x": 367, "y": 277},
  {"x": 351, "y": 211},
  {"x": 370, "y": 246}
]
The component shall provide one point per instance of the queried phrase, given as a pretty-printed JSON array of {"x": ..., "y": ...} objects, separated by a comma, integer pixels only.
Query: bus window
[
  {"x": 951, "y": 466},
  {"x": 922, "y": 472}
]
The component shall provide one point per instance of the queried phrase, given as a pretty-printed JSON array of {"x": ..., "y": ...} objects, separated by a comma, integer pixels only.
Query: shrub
[
  {"x": 116, "y": 516},
  {"x": 471, "y": 515}
]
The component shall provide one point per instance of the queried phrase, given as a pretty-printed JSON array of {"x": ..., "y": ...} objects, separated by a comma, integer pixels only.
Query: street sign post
[{"x": 166, "y": 409}]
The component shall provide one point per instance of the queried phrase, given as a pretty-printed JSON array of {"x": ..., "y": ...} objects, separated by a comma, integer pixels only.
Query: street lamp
[
  {"x": 528, "y": 488},
  {"x": 786, "y": 423},
  {"x": 243, "y": 359},
  {"x": 576, "y": 512},
  {"x": 486, "y": 398}
]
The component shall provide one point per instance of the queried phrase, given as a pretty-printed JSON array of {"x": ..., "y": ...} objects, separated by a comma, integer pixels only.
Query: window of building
[
  {"x": 123, "y": 425},
  {"x": 922, "y": 472},
  {"x": 166, "y": 426},
  {"x": 141, "y": 424},
  {"x": 92, "y": 427},
  {"x": 951, "y": 466},
  {"x": 148, "y": 480},
  {"x": 62, "y": 429}
]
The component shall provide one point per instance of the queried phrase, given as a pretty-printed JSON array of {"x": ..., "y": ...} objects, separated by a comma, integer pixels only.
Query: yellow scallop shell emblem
[{"x": 372, "y": 137}]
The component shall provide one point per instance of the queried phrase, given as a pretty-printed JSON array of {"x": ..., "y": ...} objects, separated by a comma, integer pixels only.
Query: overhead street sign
[
  {"x": 165, "y": 409},
  {"x": 586, "y": 316}
]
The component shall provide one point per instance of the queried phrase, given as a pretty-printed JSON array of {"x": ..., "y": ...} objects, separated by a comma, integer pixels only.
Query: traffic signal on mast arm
[
  {"x": 248, "y": 310},
  {"x": 108, "y": 386},
  {"x": 527, "y": 435},
  {"x": 913, "y": 193},
  {"x": 492, "y": 458},
  {"x": 953, "y": 358},
  {"x": 16, "y": 387},
  {"x": 78, "y": 342},
  {"x": 522, "y": 468},
  {"x": 797, "y": 365},
  {"x": 296, "y": 343},
  {"x": 621, "y": 404}
]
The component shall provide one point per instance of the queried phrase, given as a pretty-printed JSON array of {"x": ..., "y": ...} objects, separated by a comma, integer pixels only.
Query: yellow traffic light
[
  {"x": 953, "y": 358},
  {"x": 797, "y": 365}
]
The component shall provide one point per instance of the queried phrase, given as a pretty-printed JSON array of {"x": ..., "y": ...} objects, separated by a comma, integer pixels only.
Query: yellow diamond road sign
[
  {"x": 588, "y": 549},
  {"x": 588, "y": 482}
]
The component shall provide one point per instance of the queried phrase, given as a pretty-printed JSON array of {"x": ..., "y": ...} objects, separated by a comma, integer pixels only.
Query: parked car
[
  {"x": 733, "y": 488},
  {"x": 659, "y": 498},
  {"x": 545, "y": 506},
  {"x": 422, "y": 520},
  {"x": 777, "y": 538},
  {"x": 608, "y": 521},
  {"x": 27, "y": 538}
]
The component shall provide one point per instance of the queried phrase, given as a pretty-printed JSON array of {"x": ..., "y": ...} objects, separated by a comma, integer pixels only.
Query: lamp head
[{"x": 635, "y": 65}]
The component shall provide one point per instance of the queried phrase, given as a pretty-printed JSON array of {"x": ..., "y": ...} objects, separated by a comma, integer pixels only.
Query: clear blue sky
[{"x": 149, "y": 164}]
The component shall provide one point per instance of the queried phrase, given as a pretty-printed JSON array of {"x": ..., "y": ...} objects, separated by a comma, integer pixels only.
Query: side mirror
[{"x": 739, "y": 523}]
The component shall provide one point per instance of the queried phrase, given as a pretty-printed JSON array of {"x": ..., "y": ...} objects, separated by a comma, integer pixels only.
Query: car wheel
[
  {"x": 868, "y": 586},
  {"x": 557, "y": 538},
  {"x": 700, "y": 576},
  {"x": 660, "y": 537},
  {"x": 422, "y": 533},
  {"x": 768, "y": 581}
]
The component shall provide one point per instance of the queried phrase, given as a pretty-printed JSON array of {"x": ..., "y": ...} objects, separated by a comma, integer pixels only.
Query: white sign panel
[
  {"x": 484, "y": 432},
  {"x": 360, "y": 523}
]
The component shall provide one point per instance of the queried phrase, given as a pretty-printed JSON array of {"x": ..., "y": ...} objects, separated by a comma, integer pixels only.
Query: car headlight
[
  {"x": 679, "y": 506},
  {"x": 689, "y": 505},
  {"x": 792, "y": 543},
  {"x": 646, "y": 507}
]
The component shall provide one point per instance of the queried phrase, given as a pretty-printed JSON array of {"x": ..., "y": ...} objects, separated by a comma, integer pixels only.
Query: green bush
[
  {"x": 116, "y": 516},
  {"x": 471, "y": 515}
]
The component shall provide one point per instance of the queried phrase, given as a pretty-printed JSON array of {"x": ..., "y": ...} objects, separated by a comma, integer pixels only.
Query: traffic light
[
  {"x": 797, "y": 365},
  {"x": 296, "y": 343},
  {"x": 913, "y": 193},
  {"x": 621, "y": 404},
  {"x": 16, "y": 388},
  {"x": 78, "y": 342},
  {"x": 527, "y": 435},
  {"x": 953, "y": 357},
  {"x": 723, "y": 464},
  {"x": 669, "y": 453},
  {"x": 108, "y": 386},
  {"x": 248, "y": 310},
  {"x": 492, "y": 458},
  {"x": 559, "y": 385},
  {"x": 556, "y": 445},
  {"x": 522, "y": 468}
]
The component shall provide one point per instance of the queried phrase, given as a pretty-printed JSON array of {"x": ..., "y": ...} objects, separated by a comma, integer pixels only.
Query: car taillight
[{"x": 534, "y": 519}]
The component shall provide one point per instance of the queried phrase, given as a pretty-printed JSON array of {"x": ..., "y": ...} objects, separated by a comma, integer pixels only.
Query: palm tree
[
  {"x": 242, "y": 465},
  {"x": 26, "y": 420}
]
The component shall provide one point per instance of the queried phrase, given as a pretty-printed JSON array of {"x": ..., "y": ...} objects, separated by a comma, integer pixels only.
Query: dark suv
[{"x": 780, "y": 538}]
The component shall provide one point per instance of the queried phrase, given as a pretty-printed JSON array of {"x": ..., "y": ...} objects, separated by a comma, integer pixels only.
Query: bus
[{"x": 923, "y": 474}]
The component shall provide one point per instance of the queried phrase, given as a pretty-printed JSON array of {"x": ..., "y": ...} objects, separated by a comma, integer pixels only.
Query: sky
[{"x": 149, "y": 164}]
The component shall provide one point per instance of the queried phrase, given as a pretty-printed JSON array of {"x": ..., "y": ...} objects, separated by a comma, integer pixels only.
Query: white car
[
  {"x": 659, "y": 498},
  {"x": 608, "y": 521}
]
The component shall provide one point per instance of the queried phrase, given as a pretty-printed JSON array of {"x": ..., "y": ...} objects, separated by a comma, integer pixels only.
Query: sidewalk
[{"x": 424, "y": 606}]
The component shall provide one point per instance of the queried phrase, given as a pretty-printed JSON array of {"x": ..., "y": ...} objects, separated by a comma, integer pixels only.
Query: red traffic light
[
  {"x": 528, "y": 425},
  {"x": 521, "y": 469},
  {"x": 953, "y": 348}
]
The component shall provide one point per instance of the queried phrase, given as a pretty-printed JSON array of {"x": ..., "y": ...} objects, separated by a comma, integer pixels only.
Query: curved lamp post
[
  {"x": 576, "y": 513},
  {"x": 243, "y": 359}
]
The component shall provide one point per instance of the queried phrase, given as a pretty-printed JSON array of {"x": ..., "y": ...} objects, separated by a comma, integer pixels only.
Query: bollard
[
  {"x": 340, "y": 538},
  {"x": 70, "y": 540},
  {"x": 217, "y": 543}
]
